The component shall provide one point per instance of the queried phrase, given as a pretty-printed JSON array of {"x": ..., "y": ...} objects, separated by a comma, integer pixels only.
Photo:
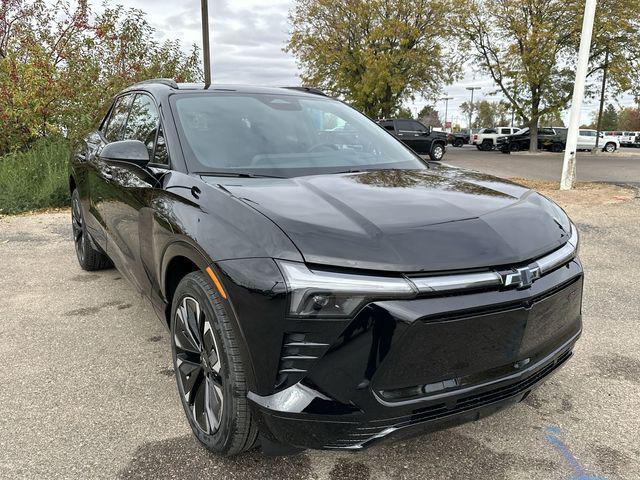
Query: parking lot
[{"x": 89, "y": 392}]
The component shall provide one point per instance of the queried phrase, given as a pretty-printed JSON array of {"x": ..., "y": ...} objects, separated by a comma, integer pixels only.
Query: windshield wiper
[{"x": 236, "y": 175}]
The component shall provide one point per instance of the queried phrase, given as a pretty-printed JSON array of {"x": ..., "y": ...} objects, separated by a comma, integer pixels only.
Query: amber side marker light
[{"x": 216, "y": 282}]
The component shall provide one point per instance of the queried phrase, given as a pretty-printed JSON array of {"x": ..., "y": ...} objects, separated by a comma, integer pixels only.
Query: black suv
[
  {"x": 324, "y": 286},
  {"x": 421, "y": 139},
  {"x": 552, "y": 139}
]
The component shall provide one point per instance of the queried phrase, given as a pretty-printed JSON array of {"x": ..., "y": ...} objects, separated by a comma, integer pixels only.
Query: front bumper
[
  {"x": 326, "y": 431},
  {"x": 400, "y": 368}
]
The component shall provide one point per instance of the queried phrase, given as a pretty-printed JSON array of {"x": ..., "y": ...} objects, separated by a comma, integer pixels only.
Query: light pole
[
  {"x": 471, "y": 106},
  {"x": 446, "y": 110},
  {"x": 569, "y": 163},
  {"x": 206, "y": 53}
]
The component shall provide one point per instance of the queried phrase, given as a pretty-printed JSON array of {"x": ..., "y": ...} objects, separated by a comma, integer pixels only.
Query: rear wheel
[
  {"x": 437, "y": 152},
  {"x": 89, "y": 258},
  {"x": 556, "y": 147},
  {"x": 487, "y": 145},
  {"x": 209, "y": 370},
  {"x": 458, "y": 142},
  {"x": 514, "y": 147},
  {"x": 610, "y": 147}
]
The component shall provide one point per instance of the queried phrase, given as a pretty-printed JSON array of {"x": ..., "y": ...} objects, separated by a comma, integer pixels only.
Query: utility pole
[
  {"x": 569, "y": 163},
  {"x": 471, "y": 107},
  {"x": 602, "y": 95},
  {"x": 446, "y": 110},
  {"x": 206, "y": 52}
]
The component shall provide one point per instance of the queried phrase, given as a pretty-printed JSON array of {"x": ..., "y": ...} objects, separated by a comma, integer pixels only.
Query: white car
[
  {"x": 629, "y": 139},
  {"x": 486, "y": 138},
  {"x": 587, "y": 141}
]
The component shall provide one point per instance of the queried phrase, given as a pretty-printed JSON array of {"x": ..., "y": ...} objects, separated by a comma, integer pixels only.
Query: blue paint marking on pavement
[{"x": 579, "y": 471}]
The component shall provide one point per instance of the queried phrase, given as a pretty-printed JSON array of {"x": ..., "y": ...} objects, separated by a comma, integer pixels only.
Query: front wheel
[
  {"x": 610, "y": 147},
  {"x": 437, "y": 152},
  {"x": 514, "y": 147},
  {"x": 209, "y": 370},
  {"x": 458, "y": 142}
]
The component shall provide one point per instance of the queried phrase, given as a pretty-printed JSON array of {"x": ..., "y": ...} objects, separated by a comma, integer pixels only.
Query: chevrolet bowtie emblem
[{"x": 522, "y": 277}]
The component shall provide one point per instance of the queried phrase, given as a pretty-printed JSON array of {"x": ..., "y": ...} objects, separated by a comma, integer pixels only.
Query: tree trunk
[
  {"x": 533, "y": 123},
  {"x": 602, "y": 95}
]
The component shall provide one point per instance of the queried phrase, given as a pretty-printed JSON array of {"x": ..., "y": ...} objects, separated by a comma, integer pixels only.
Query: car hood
[{"x": 405, "y": 220}]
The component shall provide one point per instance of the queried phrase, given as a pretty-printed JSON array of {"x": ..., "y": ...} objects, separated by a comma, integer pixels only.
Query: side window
[
  {"x": 387, "y": 125},
  {"x": 546, "y": 131},
  {"x": 505, "y": 131},
  {"x": 489, "y": 130},
  {"x": 143, "y": 122},
  {"x": 409, "y": 126},
  {"x": 113, "y": 127}
]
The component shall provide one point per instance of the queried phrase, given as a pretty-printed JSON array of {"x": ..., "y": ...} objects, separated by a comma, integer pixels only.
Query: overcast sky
[{"x": 247, "y": 41}]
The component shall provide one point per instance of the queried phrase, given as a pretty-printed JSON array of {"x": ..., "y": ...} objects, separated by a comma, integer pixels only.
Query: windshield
[{"x": 282, "y": 135}]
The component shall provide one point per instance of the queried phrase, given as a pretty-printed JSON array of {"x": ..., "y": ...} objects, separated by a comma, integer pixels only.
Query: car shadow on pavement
[{"x": 425, "y": 457}]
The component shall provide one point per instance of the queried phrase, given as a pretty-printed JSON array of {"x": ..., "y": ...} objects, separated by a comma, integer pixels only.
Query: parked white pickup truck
[
  {"x": 485, "y": 139},
  {"x": 587, "y": 141}
]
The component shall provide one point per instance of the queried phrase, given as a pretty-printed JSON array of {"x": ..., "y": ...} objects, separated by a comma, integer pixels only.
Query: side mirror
[{"x": 130, "y": 151}]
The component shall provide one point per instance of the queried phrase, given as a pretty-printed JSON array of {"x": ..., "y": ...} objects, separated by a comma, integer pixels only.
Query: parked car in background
[
  {"x": 587, "y": 141},
  {"x": 552, "y": 139},
  {"x": 486, "y": 138},
  {"x": 418, "y": 137},
  {"x": 324, "y": 287},
  {"x": 629, "y": 139},
  {"x": 458, "y": 139}
]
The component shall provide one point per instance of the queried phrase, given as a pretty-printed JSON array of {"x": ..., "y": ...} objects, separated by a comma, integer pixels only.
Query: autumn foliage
[{"x": 61, "y": 62}]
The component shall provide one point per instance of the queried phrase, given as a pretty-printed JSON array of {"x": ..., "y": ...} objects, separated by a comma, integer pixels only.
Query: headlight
[{"x": 319, "y": 293}]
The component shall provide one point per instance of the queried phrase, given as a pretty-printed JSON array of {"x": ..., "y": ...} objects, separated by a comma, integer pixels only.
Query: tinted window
[
  {"x": 143, "y": 122},
  {"x": 114, "y": 126},
  {"x": 546, "y": 131},
  {"x": 489, "y": 130},
  {"x": 409, "y": 126},
  {"x": 282, "y": 135},
  {"x": 505, "y": 131}
]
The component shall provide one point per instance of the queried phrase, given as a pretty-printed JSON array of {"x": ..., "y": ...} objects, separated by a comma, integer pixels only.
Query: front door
[{"x": 131, "y": 187}]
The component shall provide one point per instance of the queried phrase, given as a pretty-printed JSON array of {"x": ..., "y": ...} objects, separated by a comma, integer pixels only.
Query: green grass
[{"x": 36, "y": 178}]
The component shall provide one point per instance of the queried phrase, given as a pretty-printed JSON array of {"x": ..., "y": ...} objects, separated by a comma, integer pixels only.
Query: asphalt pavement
[
  {"x": 618, "y": 167},
  {"x": 88, "y": 390}
]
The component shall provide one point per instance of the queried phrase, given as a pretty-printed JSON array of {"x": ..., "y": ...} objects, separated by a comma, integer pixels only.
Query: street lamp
[
  {"x": 446, "y": 108},
  {"x": 471, "y": 106}
]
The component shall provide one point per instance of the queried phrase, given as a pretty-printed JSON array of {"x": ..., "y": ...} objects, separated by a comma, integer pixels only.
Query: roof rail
[
  {"x": 169, "y": 82},
  {"x": 313, "y": 90}
]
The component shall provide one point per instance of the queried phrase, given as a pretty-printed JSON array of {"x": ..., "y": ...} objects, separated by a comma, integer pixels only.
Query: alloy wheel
[
  {"x": 77, "y": 225},
  {"x": 438, "y": 152},
  {"x": 198, "y": 365}
]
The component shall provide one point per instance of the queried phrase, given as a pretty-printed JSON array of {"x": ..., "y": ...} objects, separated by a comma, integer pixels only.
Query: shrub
[{"x": 36, "y": 178}]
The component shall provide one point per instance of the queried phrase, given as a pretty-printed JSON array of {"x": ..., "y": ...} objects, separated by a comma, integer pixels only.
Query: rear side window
[
  {"x": 143, "y": 122},
  {"x": 489, "y": 130},
  {"x": 409, "y": 126},
  {"x": 117, "y": 119},
  {"x": 505, "y": 131}
]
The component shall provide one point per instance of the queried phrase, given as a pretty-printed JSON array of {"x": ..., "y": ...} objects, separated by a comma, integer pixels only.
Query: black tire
[
  {"x": 89, "y": 256},
  {"x": 230, "y": 429},
  {"x": 505, "y": 151},
  {"x": 458, "y": 142},
  {"x": 514, "y": 147},
  {"x": 479, "y": 147},
  {"x": 437, "y": 152},
  {"x": 609, "y": 147},
  {"x": 487, "y": 145}
]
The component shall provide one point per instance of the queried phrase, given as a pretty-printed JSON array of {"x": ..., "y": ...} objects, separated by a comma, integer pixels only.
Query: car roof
[{"x": 169, "y": 86}]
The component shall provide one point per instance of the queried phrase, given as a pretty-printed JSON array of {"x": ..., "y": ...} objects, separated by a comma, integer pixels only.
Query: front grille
[{"x": 365, "y": 433}]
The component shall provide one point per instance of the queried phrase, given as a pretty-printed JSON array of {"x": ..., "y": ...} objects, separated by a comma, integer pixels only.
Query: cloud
[{"x": 248, "y": 36}]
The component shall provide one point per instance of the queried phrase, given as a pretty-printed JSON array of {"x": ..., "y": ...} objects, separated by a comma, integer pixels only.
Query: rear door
[
  {"x": 414, "y": 135},
  {"x": 586, "y": 139}
]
